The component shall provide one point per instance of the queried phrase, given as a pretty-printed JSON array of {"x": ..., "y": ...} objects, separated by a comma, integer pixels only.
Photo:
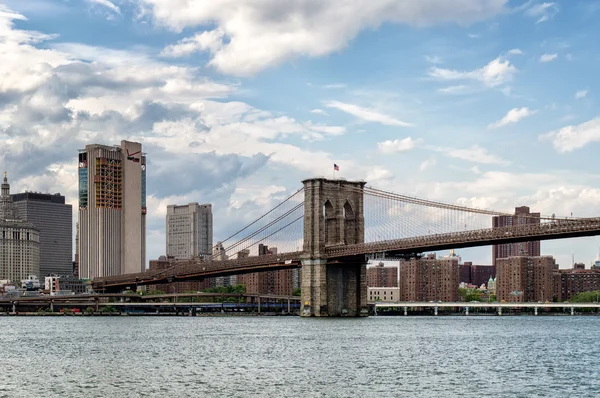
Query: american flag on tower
[{"x": 336, "y": 167}]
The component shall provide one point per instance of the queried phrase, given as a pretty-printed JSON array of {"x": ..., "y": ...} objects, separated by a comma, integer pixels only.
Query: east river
[{"x": 523, "y": 356}]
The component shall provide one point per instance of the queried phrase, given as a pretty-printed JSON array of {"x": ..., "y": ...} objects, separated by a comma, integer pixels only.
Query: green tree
[
  {"x": 297, "y": 292},
  {"x": 586, "y": 297}
]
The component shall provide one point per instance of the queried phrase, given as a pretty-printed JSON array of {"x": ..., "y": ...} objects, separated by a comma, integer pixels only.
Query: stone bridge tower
[{"x": 333, "y": 216}]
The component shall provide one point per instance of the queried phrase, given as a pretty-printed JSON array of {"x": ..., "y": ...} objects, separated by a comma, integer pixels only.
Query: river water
[{"x": 114, "y": 357}]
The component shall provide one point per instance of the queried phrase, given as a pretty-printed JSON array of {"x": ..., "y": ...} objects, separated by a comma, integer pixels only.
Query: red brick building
[
  {"x": 525, "y": 279},
  {"x": 176, "y": 287},
  {"x": 269, "y": 282},
  {"x": 382, "y": 276},
  {"x": 569, "y": 282},
  {"x": 505, "y": 250},
  {"x": 476, "y": 274},
  {"x": 429, "y": 279}
]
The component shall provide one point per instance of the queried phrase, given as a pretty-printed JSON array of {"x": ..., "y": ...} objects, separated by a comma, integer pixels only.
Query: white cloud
[
  {"x": 581, "y": 94},
  {"x": 475, "y": 154},
  {"x": 335, "y": 85},
  {"x": 458, "y": 89},
  {"x": 574, "y": 137},
  {"x": 548, "y": 57},
  {"x": 474, "y": 36},
  {"x": 208, "y": 40},
  {"x": 367, "y": 114},
  {"x": 543, "y": 11},
  {"x": 250, "y": 36},
  {"x": 513, "y": 116},
  {"x": 434, "y": 59},
  {"x": 515, "y": 51},
  {"x": 397, "y": 146},
  {"x": 495, "y": 73},
  {"x": 106, "y": 3},
  {"x": 319, "y": 112},
  {"x": 427, "y": 164}
]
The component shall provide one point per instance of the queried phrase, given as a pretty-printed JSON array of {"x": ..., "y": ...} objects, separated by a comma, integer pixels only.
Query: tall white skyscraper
[
  {"x": 112, "y": 210},
  {"x": 189, "y": 231}
]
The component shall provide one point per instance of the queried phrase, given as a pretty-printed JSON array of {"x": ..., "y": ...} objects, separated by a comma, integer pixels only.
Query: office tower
[
  {"x": 429, "y": 279},
  {"x": 19, "y": 241},
  {"x": 112, "y": 210},
  {"x": 525, "y": 278},
  {"x": 54, "y": 219},
  {"x": 522, "y": 216},
  {"x": 189, "y": 231}
]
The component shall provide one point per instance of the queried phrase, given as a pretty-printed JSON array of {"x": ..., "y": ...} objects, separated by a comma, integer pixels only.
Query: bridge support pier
[
  {"x": 572, "y": 310},
  {"x": 435, "y": 310},
  {"x": 51, "y": 305},
  {"x": 14, "y": 307},
  {"x": 334, "y": 289},
  {"x": 535, "y": 310},
  {"x": 467, "y": 311},
  {"x": 499, "y": 311},
  {"x": 405, "y": 311}
]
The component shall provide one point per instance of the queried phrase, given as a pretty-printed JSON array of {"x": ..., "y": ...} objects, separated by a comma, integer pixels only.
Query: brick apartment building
[
  {"x": 270, "y": 282},
  {"x": 382, "y": 276},
  {"x": 569, "y": 282},
  {"x": 429, "y": 279},
  {"x": 505, "y": 250},
  {"x": 476, "y": 274},
  {"x": 525, "y": 278}
]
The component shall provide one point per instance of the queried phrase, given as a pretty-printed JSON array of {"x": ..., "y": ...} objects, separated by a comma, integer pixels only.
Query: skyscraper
[
  {"x": 19, "y": 241},
  {"x": 522, "y": 216},
  {"x": 189, "y": 231},
  {"x": 112, "y": 210},
  {"x": 54, "y": 219}
]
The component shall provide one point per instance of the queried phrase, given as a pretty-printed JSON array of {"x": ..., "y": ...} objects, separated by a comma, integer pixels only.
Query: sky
[{"x": 486, "y": 103}]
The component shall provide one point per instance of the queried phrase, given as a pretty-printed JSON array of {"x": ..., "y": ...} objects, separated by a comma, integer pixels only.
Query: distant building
[
  {"x": 525, "y": 278},
  {"x": 382, "y": 276},
  {"x": 429, "y": 279},
  {"x": 269, "y": 282},
  {"x": 19, "y": 241},
  {"x": 219, "y": 252},
  {"x": 385, "y": 294},
  {"x": 569, "y": 282},
  {"x": 176, "y": 287},
  {"x": 505, "y": 250},
  {"x": 54, "y": 219},
  {"x": 189, "y": 231},
  {"x": 476, "y": 274},
  {"x": 491, "y": 286},
  {"x": 112, "y": 210}
]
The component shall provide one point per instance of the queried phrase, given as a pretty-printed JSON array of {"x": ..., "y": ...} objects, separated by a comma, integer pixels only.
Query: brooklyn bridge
[{"x": 329, "y": 227}]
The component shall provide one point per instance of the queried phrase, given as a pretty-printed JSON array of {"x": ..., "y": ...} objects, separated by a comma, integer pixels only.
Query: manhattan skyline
[{"x": 489, "y": 104}]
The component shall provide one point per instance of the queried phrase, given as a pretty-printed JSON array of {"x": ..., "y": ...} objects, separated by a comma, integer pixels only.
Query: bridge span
[{"x": 333, "y": 255}]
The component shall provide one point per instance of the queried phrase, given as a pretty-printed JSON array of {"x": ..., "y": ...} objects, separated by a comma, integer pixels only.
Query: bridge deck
[{"x": 198, "y": 269}]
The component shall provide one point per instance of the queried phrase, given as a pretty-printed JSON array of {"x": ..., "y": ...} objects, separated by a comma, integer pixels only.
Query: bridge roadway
[
  {"x": 199, "y": 269},
  {"x": 136, "y": 298},
  {"x": 484, "y": 305}
]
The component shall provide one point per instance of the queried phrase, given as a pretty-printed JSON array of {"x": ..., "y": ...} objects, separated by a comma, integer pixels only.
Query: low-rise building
[{"x": 385, "y": 294}]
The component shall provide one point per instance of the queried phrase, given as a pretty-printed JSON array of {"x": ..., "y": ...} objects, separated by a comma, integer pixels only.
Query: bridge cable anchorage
[{"x": 261, "y": 217}]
